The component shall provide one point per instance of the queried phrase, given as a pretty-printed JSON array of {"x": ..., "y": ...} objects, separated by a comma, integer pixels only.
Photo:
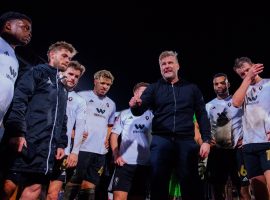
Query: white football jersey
[
  {"x": 136, "y": 136},
  {"x": 76, "y": 107},
  {"x": 100, "y": 112},
  {"x": 256, "y": 119},
  {"x": 226, "y": 122},
  {"x": 9, "y": 67}
]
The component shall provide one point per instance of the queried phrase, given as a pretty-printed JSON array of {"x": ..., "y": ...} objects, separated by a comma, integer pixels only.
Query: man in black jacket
[
  {"x": 174, "y": 102},
  {"x": 36, "y": 125}
]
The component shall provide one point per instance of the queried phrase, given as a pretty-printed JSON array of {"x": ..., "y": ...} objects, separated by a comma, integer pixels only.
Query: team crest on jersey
[
  {"x": 108, "y": 105},
  {"x": 147, "y": 117},
  {"x": 6, "y": 53},
  {"x": 130, "y": 117},
  {"x": 214, "y": 107},
  {"x": 117, "y": 119},
  {"x": 91, "y": 100},
  {"x": 229, "y": 104},
  {"x": 70, "y": 98}
]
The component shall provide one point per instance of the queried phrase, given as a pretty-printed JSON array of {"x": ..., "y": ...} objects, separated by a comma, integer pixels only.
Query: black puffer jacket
[
  {"x": 173, "y": 106},
  {"x": 38, "y": 113}
]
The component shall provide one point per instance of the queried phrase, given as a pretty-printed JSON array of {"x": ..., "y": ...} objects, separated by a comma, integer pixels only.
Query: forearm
[
  {"x": 114, "y": 144},
  {"x": 78, "y": 138},
  {"x": 239, "y": 95}
]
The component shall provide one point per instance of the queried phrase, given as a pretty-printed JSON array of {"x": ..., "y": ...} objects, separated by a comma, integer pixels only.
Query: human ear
[{"x": 7, "y": 26}]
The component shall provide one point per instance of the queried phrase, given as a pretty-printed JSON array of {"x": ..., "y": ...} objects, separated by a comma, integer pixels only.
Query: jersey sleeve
[{"x": 80, "y": 126}]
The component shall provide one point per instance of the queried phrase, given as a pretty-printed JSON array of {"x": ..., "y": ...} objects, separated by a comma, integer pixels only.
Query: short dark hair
[
  {"x": 10, "y": 16},
  {"x": 219, "y": 75},
  {"x": 138, "y": 85},
  {"x": 240, "y": 61}
]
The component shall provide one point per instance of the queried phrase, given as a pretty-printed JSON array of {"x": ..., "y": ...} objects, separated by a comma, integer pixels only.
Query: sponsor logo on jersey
[
  {"x": 12, "y": 72},
  {"x": 100, "y": 111},
  {"x": 252, "y": 97},
  {"x": 251, "y": 100},
  {"x": 139, "y": 127}
]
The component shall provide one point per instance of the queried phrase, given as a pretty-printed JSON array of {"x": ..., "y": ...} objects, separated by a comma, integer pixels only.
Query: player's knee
[{"x": 9, "y": 188}]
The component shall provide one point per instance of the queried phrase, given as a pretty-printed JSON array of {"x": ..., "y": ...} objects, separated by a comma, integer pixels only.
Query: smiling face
[{"x": 169, "y": 68}]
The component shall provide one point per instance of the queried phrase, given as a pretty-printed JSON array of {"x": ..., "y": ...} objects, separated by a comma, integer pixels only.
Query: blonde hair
[
  {"x": 103, "y": 73},
  {"x": 62, "y": 45},
  {"x": 165, "y": 54}
]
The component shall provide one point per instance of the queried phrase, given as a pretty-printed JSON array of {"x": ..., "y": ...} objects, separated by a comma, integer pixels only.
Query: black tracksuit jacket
[
  {"x": 173, "y": 106},
  {"x": 38, "y": 113}
]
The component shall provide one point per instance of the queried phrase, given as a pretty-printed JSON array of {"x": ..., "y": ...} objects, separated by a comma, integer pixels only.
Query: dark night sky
[{"x": 127, "y": 38}]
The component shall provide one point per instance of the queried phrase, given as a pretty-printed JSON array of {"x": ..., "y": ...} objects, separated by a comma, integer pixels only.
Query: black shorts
[
  {"x": 133, "y": 179},
  {"x": 242, "y": 171},
  {"x": 27, "y": 178},
  {"x": 59, "y": 170},
  {"x": 90, "y": 167},
  {"x": 257, "y": 158},
  {"x": 221, "y": 164}
]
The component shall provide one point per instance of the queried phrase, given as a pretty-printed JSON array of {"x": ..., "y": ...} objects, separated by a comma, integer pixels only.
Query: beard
[
  {"x": 222, "y": 92},
  {"x": 13, "y": 40},
  {"x": 58, "y": 65}
]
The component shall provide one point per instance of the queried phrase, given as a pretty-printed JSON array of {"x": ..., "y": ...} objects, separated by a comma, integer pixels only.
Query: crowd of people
[{"x": 60, "y": 144}]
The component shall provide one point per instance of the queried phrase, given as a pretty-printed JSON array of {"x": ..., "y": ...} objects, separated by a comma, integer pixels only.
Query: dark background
[{"x": 127, "y": 38}]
